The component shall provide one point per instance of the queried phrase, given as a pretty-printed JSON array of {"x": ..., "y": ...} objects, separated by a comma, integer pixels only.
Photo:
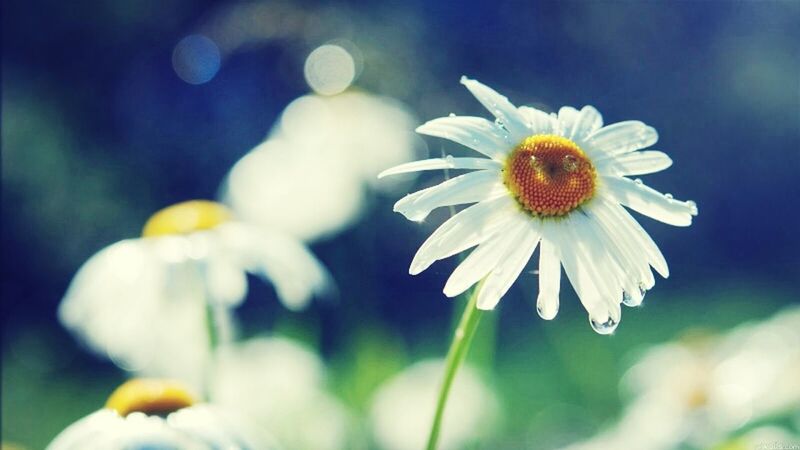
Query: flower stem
[{"x": 455, "y": 357}]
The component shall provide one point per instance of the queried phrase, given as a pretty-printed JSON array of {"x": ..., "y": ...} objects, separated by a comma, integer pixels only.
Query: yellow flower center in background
[
  {"x": 186, "y": 217},
  {"x": 149, "y": 396},
  {"x": 549, "y": 175}
]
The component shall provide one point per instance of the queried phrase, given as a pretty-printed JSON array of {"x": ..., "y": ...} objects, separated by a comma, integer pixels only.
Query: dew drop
[
  {"x": 450, "y": 160},
  {"x": 451, "y": 115},
  {"x": 692, "y": 206},
  {"x": 606, "y": 327},
  {"x": 638, "y": 181},
  {"x": 627, "y": 299},
  {"x": 668, "y": 196},
  {"x": 544, "y": 313}
]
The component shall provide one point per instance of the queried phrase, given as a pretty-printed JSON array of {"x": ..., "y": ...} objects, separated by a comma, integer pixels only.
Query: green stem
[{"x": 455, "y": 356}]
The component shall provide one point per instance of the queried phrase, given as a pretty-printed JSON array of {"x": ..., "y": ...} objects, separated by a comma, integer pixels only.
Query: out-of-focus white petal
[
  {"x": 476, "y": 133},
  {"x": 634, "y": 163},
  {"x": 622, "y": 137},
  {"x": 503, "y": 275},
  {"x": 401, "y": 410},
  {"x": 285, "y": 262},
  {"x": 549, "y": 279},
  {"x": 500, "y": 107},
  {"x": 145, "y": 313},
  {"x": 442, "y": 163},
  {"x": 280, "y": 384},
  {"x": 466, "y": 229},
  {"x": 292, "y": 187},
  {"x": 646, "y": 200},
  {"x": 468, "y": 188}
]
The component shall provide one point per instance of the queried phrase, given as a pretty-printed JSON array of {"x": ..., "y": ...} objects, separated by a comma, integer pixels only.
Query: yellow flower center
[
  {"x": 549, "y": 175},
  {"x": 149, "y": 396},
  {"x": 186, "y": 217}
]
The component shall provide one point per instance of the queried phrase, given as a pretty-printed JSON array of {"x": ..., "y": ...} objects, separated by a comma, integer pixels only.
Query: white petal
[
  {"x": 629, "y": 226},
  {"x": 587, "y": 122},
  {"x": 468, "y": 188},
  {"x": 499, "y": 106},
  {"x": 476, "y": 133},
  {"x": 634, "y": 163},
  {"x": 539, "y": 122},
  {"x": 622, "y": 137},
  {"x": 549, "y": 279},
  {"x": 604, "y": 270},
  {"x": 567, "y": 117},
  {"x": 648, "y": 201},
  {"x": 284, "y": 261},
  {"x": 484, "y": 258},
  {"x": 623, "y": 246},
  {"x": 466, "y": 229},
  {"x": 576, "y": 270},
  {"x": 442, "y": 163},
  {"x": 506, "y": 272}
]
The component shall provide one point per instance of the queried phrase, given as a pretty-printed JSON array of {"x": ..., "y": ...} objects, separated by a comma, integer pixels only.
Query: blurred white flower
[
  {"x": 309, "y": 177},
  {"x": 403, "y": 407},
  {"x": 281, "y": 385},
  {"x": 699, "y": 391},
  {"x": 149, "y": 414},
  {"x": 144, "y": 302}
]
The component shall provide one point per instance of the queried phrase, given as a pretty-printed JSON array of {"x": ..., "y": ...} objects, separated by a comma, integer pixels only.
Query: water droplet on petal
[
  {"x": 451, "y": 115},
  {"x": 638, "y": 181},
  {"x": 606, "y": 327},
  {"x": 545, "y": 313},
  {"x": 450, "y": 160},
  {"x": 692, "y": 206},
  {"x": 668, "y": 196},
  {"x": 627, "y": 299}
]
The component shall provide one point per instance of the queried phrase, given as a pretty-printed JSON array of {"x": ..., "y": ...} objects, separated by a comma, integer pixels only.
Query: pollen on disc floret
[{"x": 549, "y": 175}]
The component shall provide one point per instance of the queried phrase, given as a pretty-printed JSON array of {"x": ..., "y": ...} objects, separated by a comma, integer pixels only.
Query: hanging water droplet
[
  {"x": 638, "y": 181},
  {"x": 546, "y": 313},
  {"x": 668, "y": 196},
  {"x": 627, "y": 299},
  {"x": 606, "y": 327},
  {"x": 450, "y": 160}
]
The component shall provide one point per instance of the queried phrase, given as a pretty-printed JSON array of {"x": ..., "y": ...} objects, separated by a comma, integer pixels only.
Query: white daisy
[
  {"x": 558, "y": 181},
  {"x": 281, "y": 384},
  {"x": 694, "y": 393},
  {"x": 400, "y": 414},
  {"x": 144, "y": 302},
  {"x": 149, "y": 413},
  {"x": 310, "y": 178}
]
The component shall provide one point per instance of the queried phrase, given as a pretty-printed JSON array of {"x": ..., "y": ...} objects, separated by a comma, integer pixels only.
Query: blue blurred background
[{"x": 113, "y": 110}]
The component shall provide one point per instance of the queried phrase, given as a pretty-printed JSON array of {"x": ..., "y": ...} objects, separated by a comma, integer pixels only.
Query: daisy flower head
[
  {"x": 145, "y": 302},
  {"x": 559, "y": 182},
  {"x": 163, "y": 414}
]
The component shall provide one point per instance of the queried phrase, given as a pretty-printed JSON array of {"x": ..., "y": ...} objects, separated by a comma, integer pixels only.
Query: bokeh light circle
[
  {"x": 196, "y": 59},
  {"x": 329, "y": 69}
]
